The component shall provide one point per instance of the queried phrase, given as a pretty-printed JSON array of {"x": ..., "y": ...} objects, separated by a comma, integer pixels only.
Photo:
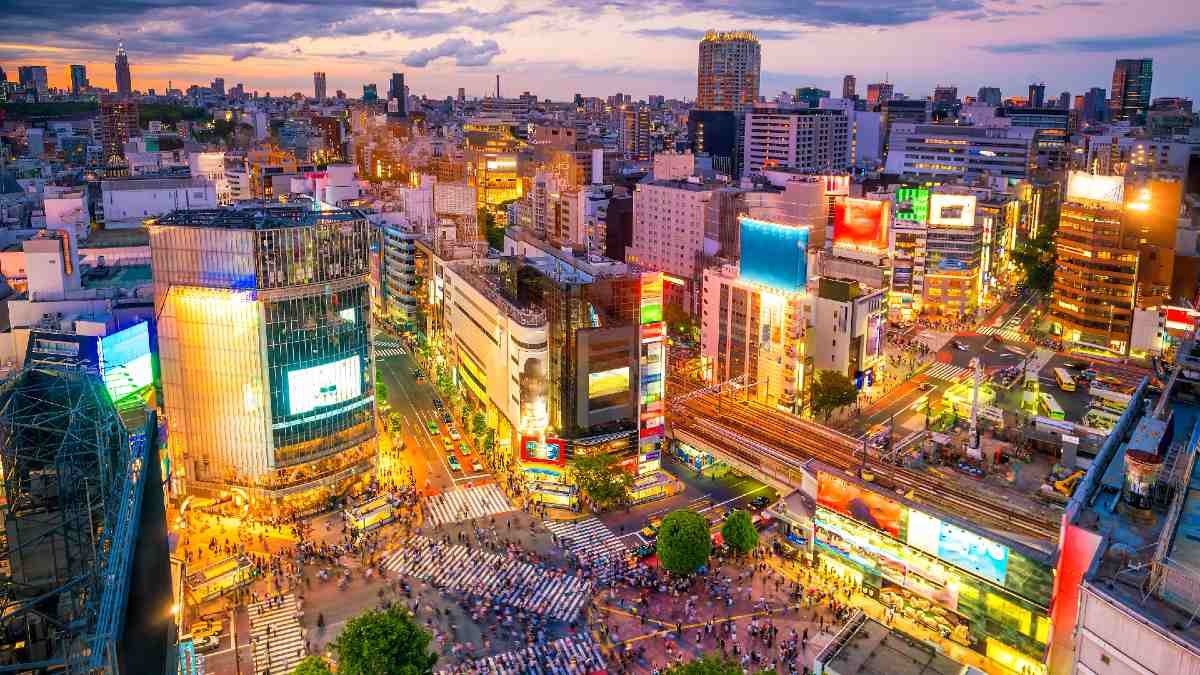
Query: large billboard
[
  {"x": 651, "y": 366},
  {"x": 608, "y": 382},
  {"x": 125, "y": 361},
  {"x": 860, "y": 224},
  {"x": 952, "y": 210},
  {"x": 1086, "y": 187},
  {"x": 866, "y": 507},
  {"x": 912, "y": 204},
  {"x": 553, "y": 451},
  {"x": 324, "y": 385},
  {"x": 961, "y": 548},
  {"x": 774, "y": 254}
]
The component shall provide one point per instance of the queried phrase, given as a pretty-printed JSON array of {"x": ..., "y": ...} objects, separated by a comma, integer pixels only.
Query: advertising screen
[
  {"x": 952, "y": 210},
  {"x": 553, "y": 451},
  {"x": 912, "y": 204},
  {"x": 972, "y": 552},
  {"x": 324, "y": 385},
  {"x": 875, "y": 330},
  {"x": 1087, "y": 187},
  {"x": 1181, "y": 318},
  {"x": 609, "y": 387},
  {"x": 773, "y": 254},
  {"x": 125, "y": 361},
  {"x": 862, "y": 505},
  {"x": 924, "y": 531},
  {"x": 860, "y": 223}
]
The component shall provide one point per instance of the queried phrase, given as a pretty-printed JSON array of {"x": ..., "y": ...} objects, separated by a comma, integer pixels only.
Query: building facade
[
  {"x": 942, "y": 152},
  {"x": 810, "y": 141},
  {"x": 1131, "y": 82},
  {"x": 727, "y": 76}
]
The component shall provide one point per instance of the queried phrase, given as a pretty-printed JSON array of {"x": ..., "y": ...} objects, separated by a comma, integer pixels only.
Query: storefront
[
  {"x": 699, "y": 460},
  {"x": 553, "y": 494},
  {"x": 653, "y": 486}
]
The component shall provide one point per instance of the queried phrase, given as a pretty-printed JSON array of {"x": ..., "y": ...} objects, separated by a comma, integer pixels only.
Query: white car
[
  {"x": 476, "y": 466},
  {"x": 454, "y": 435}
]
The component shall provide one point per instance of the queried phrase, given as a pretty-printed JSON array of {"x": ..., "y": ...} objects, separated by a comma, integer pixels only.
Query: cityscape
[{"x": 316, "y": 360}]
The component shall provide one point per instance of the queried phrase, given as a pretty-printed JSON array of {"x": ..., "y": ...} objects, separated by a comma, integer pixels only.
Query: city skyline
[{"x": 273, "y": 46}]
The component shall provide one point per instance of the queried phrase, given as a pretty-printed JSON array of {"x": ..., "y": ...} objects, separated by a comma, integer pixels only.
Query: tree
[
  {"x": 478, "y": 424},
  {"x": 1037, "y": 258},
  {"x": 384, "y": 642},
  {"x": 738, "y": 531},
  {"x": 601, "y": 479},
  {"x": 830, "y": 391},
  {"x": 710, "y": 664},
  {"x": 312, "y": 665},
  {"x": 684, "y": 543},
  {"x": 381, "y": 390}
]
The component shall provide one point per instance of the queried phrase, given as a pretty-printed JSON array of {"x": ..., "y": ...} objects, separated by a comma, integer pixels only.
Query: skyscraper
[
  {"x": 1131, "y": 90},
  {"x": 34, "y": 77},
  {"x": 945, "y": 94},
  {"x": 218, "y": 86},
  {"x": 370, "y": 92},
  {"x": 879, "y": 92},
  {"x": 124, "y": 81},
  {"x": 989, "y": 95},
  {"x": 118, "y": 123},
  {"x": 634, "y": 132},
  {"x": 727, "y": 75},
  {"x": 1095, "y": 105},
  {"x": 1037, "y": 95},
  {"x": 396, "y": 91},
  {"x": 848, "y": 87},
  {"x": 79, "y": 80},
  {"x": 319, "y": 86}
]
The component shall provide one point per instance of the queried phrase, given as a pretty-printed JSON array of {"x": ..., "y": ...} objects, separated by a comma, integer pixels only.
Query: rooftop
[
  {"x": 123, "y": 276},
  {"x": 867, "y": 647},
  {"x": 134, "y": 236},
  {"x": 257, "y": 216}
]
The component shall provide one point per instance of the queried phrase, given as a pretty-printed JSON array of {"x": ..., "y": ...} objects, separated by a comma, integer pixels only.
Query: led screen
[
  {"x": 553, "y": 451},
  {"x": 862, "y": 505},
  {"x": 860, "y": 223},
  {"x": 875, "y": 330},
  {"x": 324, "y": 385},
  {"x": 125, "y": 361},
  {"x": 924, "y": 531},
  {"x": 912, "y": 204},
  {"x": 972, "y": 552},
  {"x": 1085, "y": 186},
  {"x": 608, "y": 382},
  {"x": 952, "y": 210},
  {"x": 774, "y": 254}
]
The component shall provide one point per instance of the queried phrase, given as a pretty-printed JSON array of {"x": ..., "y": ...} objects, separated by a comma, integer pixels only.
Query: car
[
  {"x": 205, "y": 628},
  {"x": 650, "y": 531},
  {"x": 760, "y": 502},
  {"x": 205, "y": 644},
  {"x": 464, "y": 449},
  {"x": 643, "y": 551},
  {"x": 453, "y": 462},
  {"x": 927, "y": 386},
  {"x": 454, "y": 434},
  {"x": 959, "y": 346},
  {"x": 476, "y": 466},
  {"x": 432, "y": 426},
  {"x": 447, "y": 418}
]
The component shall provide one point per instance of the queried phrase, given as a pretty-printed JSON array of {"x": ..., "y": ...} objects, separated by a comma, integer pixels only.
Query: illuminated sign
[
  {"x": 1086, "y": 187},
  {"x": 324, "y": 385},
  {"x": 973, "y": 553},
  {"x": 1180, "y": 318},
  {"x": 862, "y": 505},
  {"x": 651, "y": 361},
  {"x": 860, "y": 223},
  {"x": 608, "y": 382},
  {"x": 125, "y": 362},
  {"x": 912, "y": 204},
  {"x": 952, "y": 210},
  {"x": 553, "y": 451},
  {"x": 875, "y": 331},
  {"x": 837, "y": 185},
  {"x": 774, "y": 254}
]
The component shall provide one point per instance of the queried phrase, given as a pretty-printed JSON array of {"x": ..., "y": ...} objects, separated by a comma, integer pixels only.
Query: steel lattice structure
[{"x": 71, "y": 483}]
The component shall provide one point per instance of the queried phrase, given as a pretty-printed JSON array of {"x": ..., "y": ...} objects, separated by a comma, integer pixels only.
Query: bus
[
  {"x": 1107, "y": 399},
  {"x": 1049, "y": 407},
  {"x": 220, "y": 578},
  {"x": 1064, "y": 379}
]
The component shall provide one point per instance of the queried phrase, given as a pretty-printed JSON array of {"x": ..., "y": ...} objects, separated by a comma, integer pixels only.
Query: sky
[{"x": 556, "y": 48}]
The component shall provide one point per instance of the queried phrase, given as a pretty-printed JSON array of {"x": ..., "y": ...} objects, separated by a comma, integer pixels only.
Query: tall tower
[
  {"x": 124, "y": 82},
  {"x": 849, "y": 85},
  {"x": 79, "y": 80},
  {"x": 1131, "y": 89},
  {"x": 728, "y": 71},
  {"x": 1037, "y": 95},
  {"x": 319, "y": 86}
]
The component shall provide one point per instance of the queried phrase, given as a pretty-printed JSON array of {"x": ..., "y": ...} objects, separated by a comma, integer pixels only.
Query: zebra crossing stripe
[
  {"x": 945, "y": 371},
  {"x": 467, "y": 504},
  {"x": 590, "y": 540},
  {"x": 276, "y": 635},
  {"x": 573, "y": 654}
]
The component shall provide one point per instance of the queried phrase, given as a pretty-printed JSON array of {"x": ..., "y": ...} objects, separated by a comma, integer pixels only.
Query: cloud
[
  {"x": 1103, "y": 43},
  {"x": 245, "y": 53},
  {"x": 822, "y": 14},
  {"x": 463, "y": 51},
  {"x": 694, "y": 34}
]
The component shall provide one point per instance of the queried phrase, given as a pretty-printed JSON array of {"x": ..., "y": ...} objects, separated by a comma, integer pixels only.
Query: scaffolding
[{"x": 72, "y": 484}]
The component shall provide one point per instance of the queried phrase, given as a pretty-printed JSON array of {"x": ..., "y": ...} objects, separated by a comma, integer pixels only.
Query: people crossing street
[
  {"x": 276, "y": 633},
  {"x": 592, "y": 544},
  {"x": 567, "y": 655},
  {"x": 461, "y": 504}
]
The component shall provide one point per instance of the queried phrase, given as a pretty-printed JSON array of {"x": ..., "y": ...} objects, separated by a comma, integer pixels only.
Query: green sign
[
  {"x": 652, "y": 313},
  {"x": 912, "y": 204}
]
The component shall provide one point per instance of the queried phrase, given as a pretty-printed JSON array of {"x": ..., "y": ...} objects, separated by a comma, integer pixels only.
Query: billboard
[
  {"x": 1180, "y": 318},
  {"x": 952, "y": 210},
  {"x": 324, "y": 385},
  {"x": 774, "y": 254},
  {"x": 862, "y": 505},
  {"x": 125, "y": 362},
  {"x": 875, "y": 330},
  {"x": 860, "y": 223},
  {"x": 973, "y": 553},
  {"x": 837, "y": 185},
  {"x": 553, "y": 451},
  {"x": 912, "y": 204},
  {"x": 1083, "y": 186},
  {"x": 651, "y": 359}
]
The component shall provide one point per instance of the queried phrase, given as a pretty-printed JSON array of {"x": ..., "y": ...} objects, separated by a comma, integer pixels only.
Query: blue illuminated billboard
[
  {"x": 774, "y": 254},
  {"x": 973, "y": 553},
  {"x": 324, "y": 385},
  {"x": 125, "y": 361}
]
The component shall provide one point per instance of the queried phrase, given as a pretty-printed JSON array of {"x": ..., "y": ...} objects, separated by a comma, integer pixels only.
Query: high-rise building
[
  {"x": 849, "y": 87},
  {"x": 805, "y": 140},
  {"x": 989, "y": 95},
  {"x": 810, "y": 96},
  {"x": 1095, "y": 105},
  {"x": 264, "y": 340},
  {"x": 1037, "y": 95},
  {"x": 218, "y": 86},
  {"x": 34, "y": 77},
  {"x": 397, "y": 91},
  {"x": 943, "y": 151},
  {"x": 124, "y": 79},
  {"x": 879, "y": 92},
  {"x": 319, "y": 91},
  {"x": 727, "y": 75},
  {"x": 118, "y": 123},
  {"x": 3, "y": 75},
  {"x": 1064, "y": 100},
  {"x": 715, "y": 133},
  {"x": 1131, "y": 83},
  {"x": 634, "y": 132},
  {"x": 79, "y": 80},
  {"x": 945, "y": 94},
  {"x": 462, "y": 94},
  {"x": 370, "y": 92}
]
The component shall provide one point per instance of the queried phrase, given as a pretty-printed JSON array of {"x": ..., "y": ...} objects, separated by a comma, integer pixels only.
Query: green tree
[
  {"x": 738, "y": 531},
  {"x": 1038, "y": 259},
  {"x": 710, "y": 664},
  {"x": 384, "y": 642},
  {"x": 312, "y": 665},
  {"x": 684, "y": 543},
  {"x": 478, "y": 424},
  {"x": 381, "y": 390},
  {"x": 830, "y": 391},
  {"x": 601, "y": 479}
]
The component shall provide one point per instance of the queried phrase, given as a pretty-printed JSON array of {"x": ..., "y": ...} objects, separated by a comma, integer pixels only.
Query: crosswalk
[
  {"x": 466, "y": 503},
  {"x": 1010, "y": 334},
  {"x": 946, "y": 371},
  {"x": 276, "y": 635},
  {"x": 934, "y": 340},
  {"x": 591, "y": 542},
  {"x": 387, "y": 348},
  {"x": 564, "y": 656},
  {"x": 504, "y": 579}
]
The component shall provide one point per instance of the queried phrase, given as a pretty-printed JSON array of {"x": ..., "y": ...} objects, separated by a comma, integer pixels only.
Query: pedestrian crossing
[
  {"x": 592, "y": 544},
  {"x": 276, "y": 634},
  {"x": 1010, "y": 334},
  {"x": 465, "y": 504},
  {"x": 946, "y": 371},
  {"x": 504, "y": 579},
  {"x": 933, "y": 340},
  {"x": 386, "y": 348},
  {"x": 564, "y": 656}
]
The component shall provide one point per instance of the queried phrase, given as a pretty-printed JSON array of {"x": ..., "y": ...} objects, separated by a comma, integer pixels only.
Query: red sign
[
  {"x": 553, "y": 451},
  {"x": 860, "y": 223},
  {"x": 837, "y": 185},
  {"x": 860, "y": 504},
  {"x": 1181, "y": 318}
]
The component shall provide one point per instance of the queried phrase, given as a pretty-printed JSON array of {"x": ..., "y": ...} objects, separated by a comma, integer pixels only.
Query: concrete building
[
  {"x": 211, "y": 166},
  {"x": 812, "y": 141},
  {"x": 319, "y": 91},
  {"x": 847, "y": 330},
  {"x": 864, "y": 137},
  {"x": 78, "y": 77},
  {"x": 946, "y": 152},
  {"x": 728, "y": 70},
  {"x": 633, "y": 132},
  {"x": 1131, "y": 84},
  {"x": 669, "y": 230},
  {"x": 879, "y": 92},
  {"x": 34, "y": 78},
  {"x": 717, "y": 133},
  {"x": 130, "y": 202},
  {"x": 118, "y": 124}
]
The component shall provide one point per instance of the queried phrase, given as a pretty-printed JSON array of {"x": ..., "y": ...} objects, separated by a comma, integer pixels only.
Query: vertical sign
[{"x": 651, "y": 365}]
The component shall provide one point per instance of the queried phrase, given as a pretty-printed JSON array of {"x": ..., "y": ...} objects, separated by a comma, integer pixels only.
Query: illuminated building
[
  {"x": 811, "y": 141},
  {"x": 261, "y": 165},
  {"x": 118, "y": 124},
  {"x": 1130, "y": 156},
  {"x": 79, "y": 80},
  {"x": 864, "y": 139},
  {"x": 954, "y": 254},
  {"x": 715, "y": 133},
  {"x": 945, "y": 152},
  {"x": 124, "y": 80},
  {"x": 264, "y": 328},
  {"x": 848, "y": 326},
  {"x": 496, "y": 178},
  {"x": 319, "y": 92},
  {"x": 34, "y": 78},
  {"x": 848, "y": 87},
  {"x": 633, "y": 133},
  {"x": 1040, "y": 200},
  {"x": 668, "y": 230},
  {"x": 727, "y": 76},
  {"x": 1131, "y": 83},
  {"x": 399, "y": 282},
  {"x": 879, "y": 92},
  {"x": 910, "y": 232}
]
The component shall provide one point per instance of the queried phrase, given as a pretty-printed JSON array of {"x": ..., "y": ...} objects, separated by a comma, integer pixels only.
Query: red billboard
[
  {"x": 862, "y": 505},
  {"x": 553, "y": 451},
  {"x": 860, "y": 223}
]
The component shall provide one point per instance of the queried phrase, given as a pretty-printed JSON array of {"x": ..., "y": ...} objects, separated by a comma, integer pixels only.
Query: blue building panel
[{"x": 774, "y": 254}]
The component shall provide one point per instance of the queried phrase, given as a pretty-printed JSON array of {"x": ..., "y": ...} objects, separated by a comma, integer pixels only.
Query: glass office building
[{"x": 264, "y": 339}]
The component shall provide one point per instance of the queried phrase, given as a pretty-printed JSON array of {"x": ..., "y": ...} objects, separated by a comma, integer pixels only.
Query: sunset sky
[{"x": 559, "y": 48}]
